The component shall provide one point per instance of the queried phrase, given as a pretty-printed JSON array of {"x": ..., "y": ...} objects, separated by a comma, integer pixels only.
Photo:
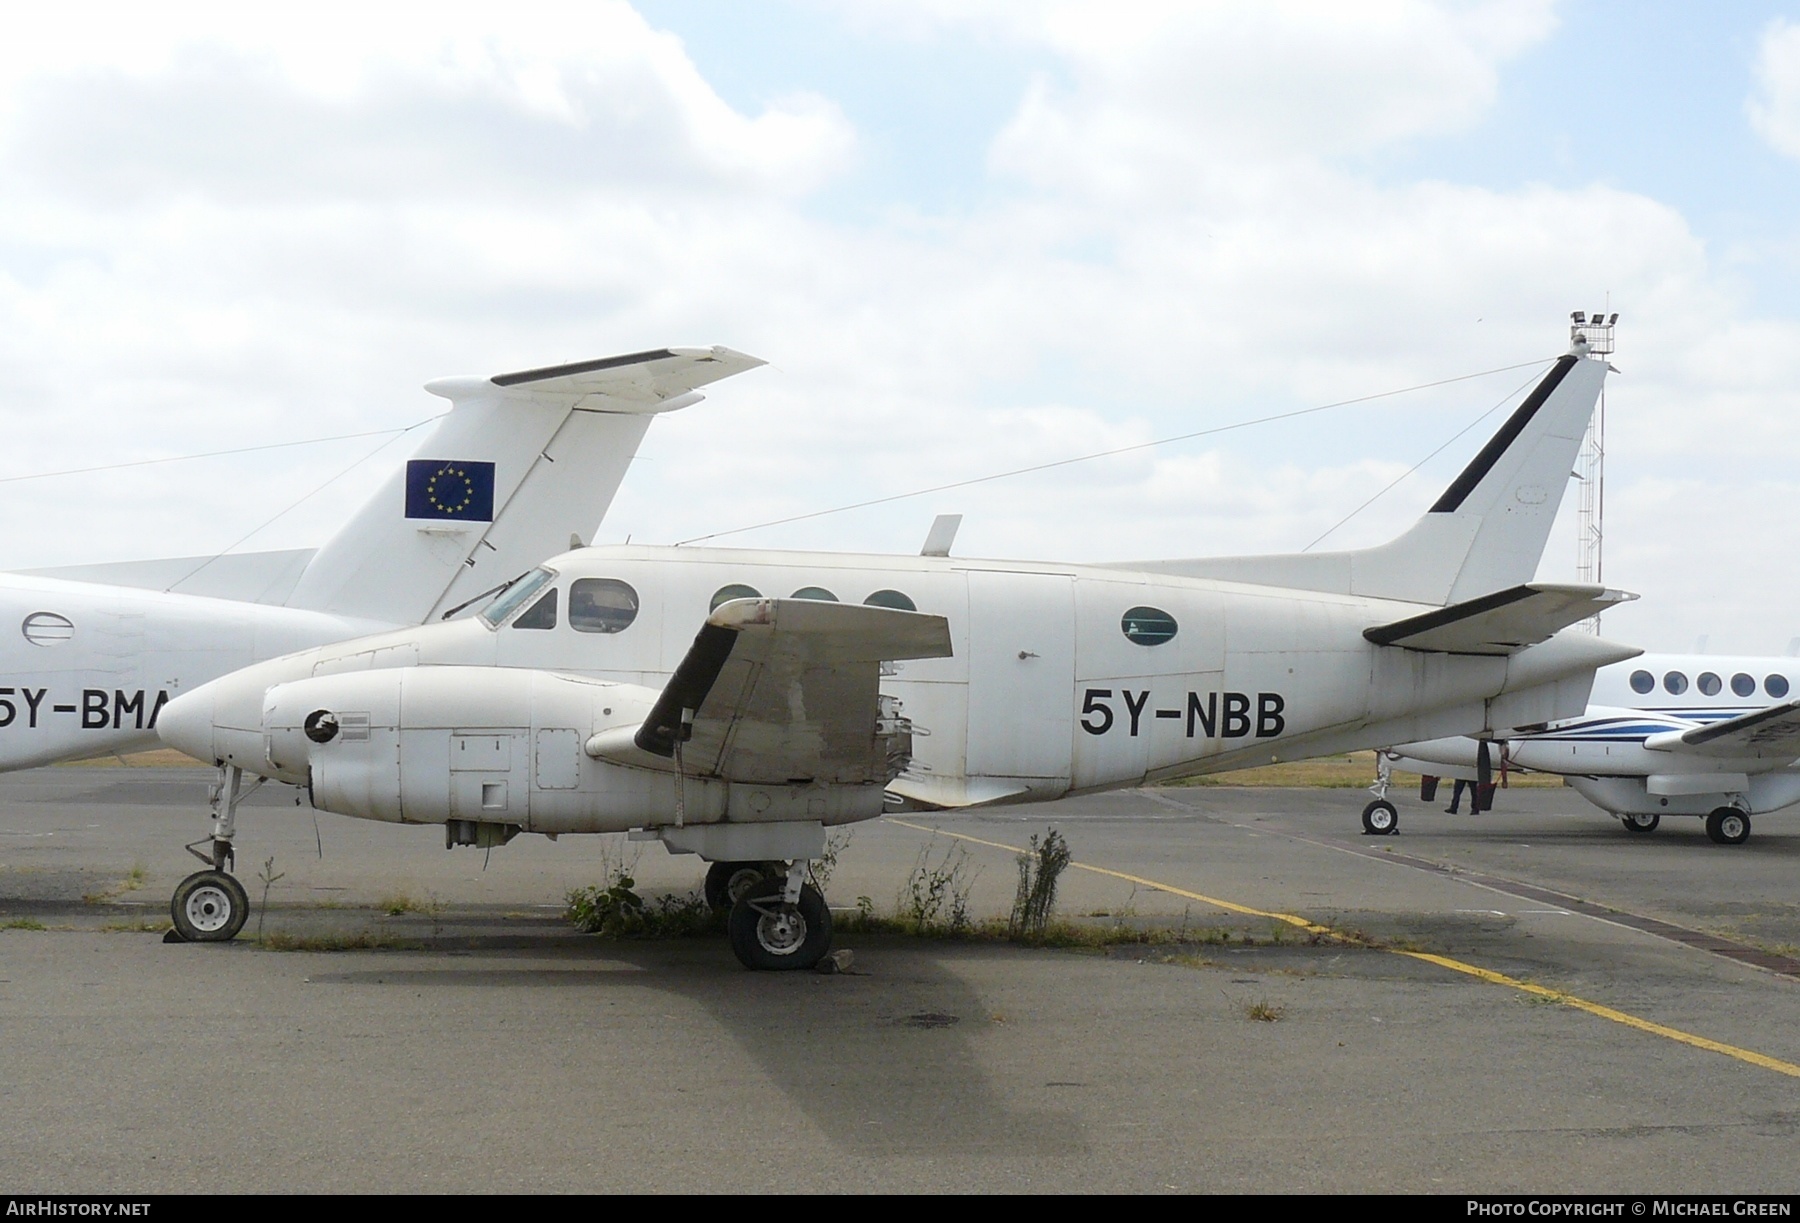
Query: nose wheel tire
[
  {"x": 1380, "y": 818},
  {"x": 1643, "y": 821},
  {"x": 1728, "y": 826},
  {"x": 769, "y": 935},
  {"x": 209, "y": 907},
  {"x": 727, "y": 881}
]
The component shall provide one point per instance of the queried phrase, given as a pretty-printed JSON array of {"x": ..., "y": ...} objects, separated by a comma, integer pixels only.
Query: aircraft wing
[
  {"x": 1772, "y": 733},
  {"x": 785, "y": 690},
  {"x": 1504, "y": 622}
]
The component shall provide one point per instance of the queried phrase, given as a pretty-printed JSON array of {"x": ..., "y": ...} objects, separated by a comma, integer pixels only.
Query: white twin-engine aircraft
[
  {"x": 519, "y": 464},
  {"x": 826, "y": 688},
  {"x": 1691, "y": 734}
]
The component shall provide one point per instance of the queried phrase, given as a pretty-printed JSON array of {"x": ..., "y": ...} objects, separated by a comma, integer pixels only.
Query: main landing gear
[
  {"x": 727, "y": 881},
  {"x": 211, "y": 906},
  {"x": 1381, "y": 818},
  {"x": 1728, "y": 826},
  {"x": 778, "y": 920},
  {"x": 1640, "y": 821}
]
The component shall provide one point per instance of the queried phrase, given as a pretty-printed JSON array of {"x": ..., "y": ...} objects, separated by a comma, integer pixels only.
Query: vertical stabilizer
[
  {"x": 1485, "y": 533},
  {"x": 521, "y": 462}
]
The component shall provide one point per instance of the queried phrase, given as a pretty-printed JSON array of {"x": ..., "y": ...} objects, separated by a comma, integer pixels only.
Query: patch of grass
[
  {"x": 401, "y": 903},
  {"x": 1354, "y": 770},
  {"x": 362, "y": 941},
  {"x": 141, "y": 926},
  {"x": 1264, "y": 1011},
  {"x": 936, "y": 897},
  {"x": 134, "y": 879},
  {"x": 23, "y": 923},
  {"x": 615, "y": 910}
]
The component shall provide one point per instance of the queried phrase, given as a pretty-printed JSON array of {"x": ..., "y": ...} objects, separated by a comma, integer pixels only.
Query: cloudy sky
[{"x": 967, "y": 236}]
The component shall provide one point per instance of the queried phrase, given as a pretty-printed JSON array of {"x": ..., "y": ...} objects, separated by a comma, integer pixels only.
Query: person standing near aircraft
[{"x": 1456, "y": 793}]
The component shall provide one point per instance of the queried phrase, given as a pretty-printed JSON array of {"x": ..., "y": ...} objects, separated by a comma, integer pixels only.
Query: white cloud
[
  {"x": 1774, "y": 103},
  {"x": 216, "y": 232}
]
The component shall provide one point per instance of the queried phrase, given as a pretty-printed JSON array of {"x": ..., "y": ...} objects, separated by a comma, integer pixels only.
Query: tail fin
[
  {"x": 1485, "y": 533},
  {"x": 520, "y": 462}
]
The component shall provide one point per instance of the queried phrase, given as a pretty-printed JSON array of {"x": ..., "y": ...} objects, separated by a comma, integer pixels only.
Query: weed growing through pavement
[
  {"x": 1040, "y": 867},
  {"x": 1264, "y": 1011},
  {"x": 936, "y": 898},
  {"x": 268, "y": 874},
  {"x": 614, "y": 909}
]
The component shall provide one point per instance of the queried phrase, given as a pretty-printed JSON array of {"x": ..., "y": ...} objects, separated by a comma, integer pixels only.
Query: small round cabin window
[
  {"x": 47, "y": 628},
  {"x": 1708, "y": 683},
  {"x": 602, "y": 605},
  {"x": 1642, "y": 682},
  {"x": 737, "y": 590},
  {"x": 1147, "y": 625},
  {"x": 1675, "y": 683},
  {"x": 1776, "y": 686},
  {"x": 893, "y": 599},
  {"x": 815, "y": 592},
  {"x": 1743, "y": 685}
]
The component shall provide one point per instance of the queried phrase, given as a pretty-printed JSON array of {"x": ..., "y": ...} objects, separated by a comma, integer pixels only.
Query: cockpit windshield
[{"x": 513, "y": 597}]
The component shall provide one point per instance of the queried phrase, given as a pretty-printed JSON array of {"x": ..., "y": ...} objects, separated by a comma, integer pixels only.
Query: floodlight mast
[{"x": 1590, "y": 464}]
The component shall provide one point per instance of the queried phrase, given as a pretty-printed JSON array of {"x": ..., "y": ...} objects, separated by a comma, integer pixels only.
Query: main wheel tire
[
  {"x": 1380, "y": 818},
  {"x": 1728, "y": 826},
  {"x": 209, "y": 907},
  {"x": 769, "y": 934},
  {"x": 726, "y": 881},
  {"x": 1640, "y": 821}
]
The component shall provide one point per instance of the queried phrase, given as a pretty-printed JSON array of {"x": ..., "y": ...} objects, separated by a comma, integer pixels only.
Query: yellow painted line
[{"x": 1483, "y": 974}]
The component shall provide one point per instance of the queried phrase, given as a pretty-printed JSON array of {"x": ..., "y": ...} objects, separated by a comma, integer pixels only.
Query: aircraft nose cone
[{"x": 186, "y": 723}]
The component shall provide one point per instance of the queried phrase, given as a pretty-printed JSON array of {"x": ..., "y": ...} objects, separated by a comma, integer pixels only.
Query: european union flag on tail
[{"x": 450, "y": 488}]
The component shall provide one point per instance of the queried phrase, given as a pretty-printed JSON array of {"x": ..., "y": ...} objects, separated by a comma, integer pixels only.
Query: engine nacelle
[{"x": 486, "y": 749}]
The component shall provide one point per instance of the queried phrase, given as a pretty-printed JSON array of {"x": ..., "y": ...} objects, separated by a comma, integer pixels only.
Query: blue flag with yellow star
[{"x": 450, "y": 488}]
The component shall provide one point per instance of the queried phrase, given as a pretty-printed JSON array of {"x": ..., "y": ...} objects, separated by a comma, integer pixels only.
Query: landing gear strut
[
  {"x": 1381, "y": 818},
  {"x": 727, "y": 881},
  {"x": 211, "y": 906},
  {"x": 781, "y": 922}
]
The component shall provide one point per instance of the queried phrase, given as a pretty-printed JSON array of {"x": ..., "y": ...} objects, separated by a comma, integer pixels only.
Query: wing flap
[
  {"x": 787, "y": 690},
  {"x": 1501, "y": 623},
  {"x": 1772, "y": 733}
]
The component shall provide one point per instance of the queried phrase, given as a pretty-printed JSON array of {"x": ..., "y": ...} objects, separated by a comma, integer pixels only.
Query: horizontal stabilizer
[
  {"x": 786, "y": 690},
  {"x": 1772, "y": 733},
  {"x": 248, "y": 577},
  {"x": 639, "y": 382},
  {"x": 1504, "y": 622}
]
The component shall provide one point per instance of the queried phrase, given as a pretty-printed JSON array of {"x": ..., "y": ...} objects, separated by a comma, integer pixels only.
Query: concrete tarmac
[{"x": 479, "y": 1043}]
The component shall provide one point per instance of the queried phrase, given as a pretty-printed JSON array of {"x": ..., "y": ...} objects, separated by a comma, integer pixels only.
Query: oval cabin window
[
  {"x": 47, "y": 628},
  {"x": 602, "y": 605},
  {"x": 1147, "y": 626},
  {"x": 1776, "y": 686},
  {"x": 1708, "y": 683},
  {"x": 814, "y": 592},
  {"x": 1642, "y": 682},
  {"x": 891, "y": 598},
  {"x": 737, "y": 590},
  {"x": 1743, "y": 685},
  {"x": 1675, "y": 683}
]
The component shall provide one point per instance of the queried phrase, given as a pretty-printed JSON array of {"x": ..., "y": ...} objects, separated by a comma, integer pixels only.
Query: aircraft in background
[
  {"x": 1667, "y": 734},
  {"x": 519, "y": 463},
  {"x": 579, "y": 700}
]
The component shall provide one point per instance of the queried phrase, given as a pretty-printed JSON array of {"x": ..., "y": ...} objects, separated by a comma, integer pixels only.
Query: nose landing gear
[{"x": 211, "y": 906}]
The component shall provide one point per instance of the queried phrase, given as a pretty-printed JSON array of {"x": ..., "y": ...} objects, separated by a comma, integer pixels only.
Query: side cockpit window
[
  {"x": 541, "y": 614},
  {"x": 515, "y": 596},
  {"x": 602, "y": 605}
]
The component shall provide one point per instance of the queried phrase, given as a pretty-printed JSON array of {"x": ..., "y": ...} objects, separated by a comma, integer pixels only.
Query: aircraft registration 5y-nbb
[{"x": 827, "y": 688}]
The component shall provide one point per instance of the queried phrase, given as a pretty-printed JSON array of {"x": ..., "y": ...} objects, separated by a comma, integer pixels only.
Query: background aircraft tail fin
[
  {"x": 521, "y": 462},
  {"x": 1485, "y": 533}
]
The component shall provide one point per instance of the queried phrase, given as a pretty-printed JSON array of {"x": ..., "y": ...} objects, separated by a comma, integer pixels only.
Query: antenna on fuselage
[
  {"x": 942, "y": 535},
  {"x": 1590, "y": 464}
]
